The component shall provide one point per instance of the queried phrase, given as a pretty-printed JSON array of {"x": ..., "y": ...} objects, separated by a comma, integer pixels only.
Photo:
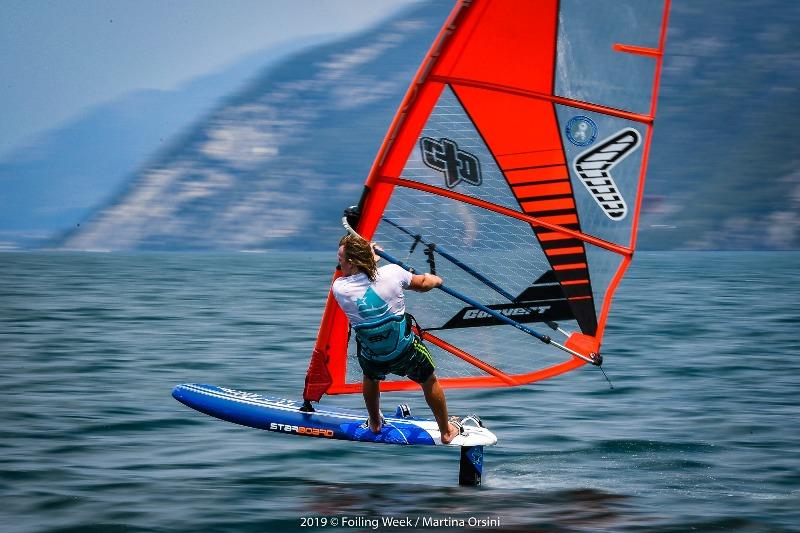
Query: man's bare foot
[
  {"x": 451, "y": 434},
  {"x": 375, "y": 428}
]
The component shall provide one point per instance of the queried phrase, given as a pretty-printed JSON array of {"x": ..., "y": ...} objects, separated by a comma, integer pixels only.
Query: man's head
[{"x": 356, "y": 255}]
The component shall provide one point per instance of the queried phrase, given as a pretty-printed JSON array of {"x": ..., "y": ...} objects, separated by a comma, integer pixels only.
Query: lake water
[{"x": 701, "y": 432}]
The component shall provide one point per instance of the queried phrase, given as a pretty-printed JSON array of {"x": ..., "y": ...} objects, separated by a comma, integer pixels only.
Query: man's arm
[{"x": 424, "y": 282}]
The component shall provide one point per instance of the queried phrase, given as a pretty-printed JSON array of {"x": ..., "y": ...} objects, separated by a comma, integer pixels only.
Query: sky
[{"x": 61, "y": 57}]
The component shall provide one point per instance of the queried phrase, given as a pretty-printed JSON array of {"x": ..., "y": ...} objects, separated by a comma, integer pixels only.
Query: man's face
[{"x": 347, "y": 268}]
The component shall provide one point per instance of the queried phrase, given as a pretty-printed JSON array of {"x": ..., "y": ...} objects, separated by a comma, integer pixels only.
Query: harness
[{"x": 384, "y": 339}]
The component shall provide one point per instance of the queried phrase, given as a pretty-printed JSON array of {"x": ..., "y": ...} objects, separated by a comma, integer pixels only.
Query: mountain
[
  {"x": 724, "y": 164},
  {"x": 275, "y": 163},
  {"x": 278, "y": 160},
  {"x": 61, "y": 177}
]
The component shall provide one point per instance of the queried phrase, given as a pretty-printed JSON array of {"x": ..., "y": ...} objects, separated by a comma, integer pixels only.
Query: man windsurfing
[{"x": 374, "y": 301}]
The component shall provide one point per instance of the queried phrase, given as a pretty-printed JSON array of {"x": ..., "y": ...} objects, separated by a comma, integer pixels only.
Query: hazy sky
[{"x": 59, "y": 57}]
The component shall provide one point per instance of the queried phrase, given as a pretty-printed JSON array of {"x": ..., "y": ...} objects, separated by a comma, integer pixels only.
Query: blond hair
[{"x": 358, "y": 252}]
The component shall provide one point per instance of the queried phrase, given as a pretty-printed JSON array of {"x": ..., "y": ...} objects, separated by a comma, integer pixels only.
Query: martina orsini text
[{"x": 397, "y": 522}]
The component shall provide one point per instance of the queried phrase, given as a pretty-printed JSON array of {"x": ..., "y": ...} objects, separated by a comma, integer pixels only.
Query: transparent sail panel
[
  {"x": 461, "y": 243},
  {"x": 452, "y": 155},
  {"x": 589, "y": 69},
  {"x": 603, "y": 265},
  {"x": 604, "y": 164},
  {"x": 503, "y": 248}
]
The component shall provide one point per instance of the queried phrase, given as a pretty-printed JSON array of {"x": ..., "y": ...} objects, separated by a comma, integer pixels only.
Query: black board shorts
[{"x": 416, "y": 363}]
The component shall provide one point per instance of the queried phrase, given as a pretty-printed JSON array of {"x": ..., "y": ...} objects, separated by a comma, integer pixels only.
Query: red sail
[{"x": 515, "y": 167}]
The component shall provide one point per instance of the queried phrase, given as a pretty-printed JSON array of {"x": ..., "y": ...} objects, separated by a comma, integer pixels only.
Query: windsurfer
[{"x": 374, "y": 302}]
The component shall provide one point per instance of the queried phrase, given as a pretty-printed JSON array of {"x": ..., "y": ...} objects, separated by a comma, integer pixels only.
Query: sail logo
[
  {"x": 581, "y": 131},
  {"x": 594, "y": 167},
  {"x": 471, "y": 314},
  {"x": 457, "y": 165}
]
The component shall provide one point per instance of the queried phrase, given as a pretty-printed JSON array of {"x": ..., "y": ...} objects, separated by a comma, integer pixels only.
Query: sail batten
[
  {"x": 577, "y": 104},
  {"x": 564, "y": 232}
]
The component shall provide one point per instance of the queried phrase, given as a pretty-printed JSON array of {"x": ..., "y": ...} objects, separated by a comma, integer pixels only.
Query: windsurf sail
[{"x": 514, "y": 169}]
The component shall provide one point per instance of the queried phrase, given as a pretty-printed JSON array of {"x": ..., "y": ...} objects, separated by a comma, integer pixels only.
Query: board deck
[{"x": 284, "y": 416}]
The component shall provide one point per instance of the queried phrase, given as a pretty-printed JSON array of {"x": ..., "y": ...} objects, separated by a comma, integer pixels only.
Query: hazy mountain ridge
[
  {"x": 60, "y": 177},
  {"x": 277, "y": 161},
  {"x": 724, "y": 156},
  {"x": 273, "y": 166}
]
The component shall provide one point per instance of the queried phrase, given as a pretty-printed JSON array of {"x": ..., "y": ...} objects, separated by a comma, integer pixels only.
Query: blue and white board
[{"x": 284, "y": 416}]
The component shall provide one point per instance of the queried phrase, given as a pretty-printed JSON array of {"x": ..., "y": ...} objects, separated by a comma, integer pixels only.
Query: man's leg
[
  {"x": 434, "y": 395},
  {"x": 372, "y": 399}
]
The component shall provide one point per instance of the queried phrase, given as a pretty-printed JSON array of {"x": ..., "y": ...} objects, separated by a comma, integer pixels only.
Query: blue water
[{"x": 700, "y": 433}]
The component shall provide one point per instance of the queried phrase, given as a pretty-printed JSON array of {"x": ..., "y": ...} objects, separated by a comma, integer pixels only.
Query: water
[{"x": 700, "y": 432}]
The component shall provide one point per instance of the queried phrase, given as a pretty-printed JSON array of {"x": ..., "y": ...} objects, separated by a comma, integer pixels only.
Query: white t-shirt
[{"x": 363, "y": 301}]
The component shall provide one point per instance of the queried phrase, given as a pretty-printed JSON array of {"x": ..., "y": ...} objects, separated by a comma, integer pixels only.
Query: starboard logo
[
  {"x": 301, "y": 430},
  {"x": 594, "y": 169},
  {"x": 456, "y": 165}
]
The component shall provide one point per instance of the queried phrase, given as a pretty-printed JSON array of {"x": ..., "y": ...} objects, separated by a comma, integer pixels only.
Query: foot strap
[
  {"x": 457, "y": 421},
  {"x": 473, "y": 419},
  {"x": 365, "y": 425}
]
